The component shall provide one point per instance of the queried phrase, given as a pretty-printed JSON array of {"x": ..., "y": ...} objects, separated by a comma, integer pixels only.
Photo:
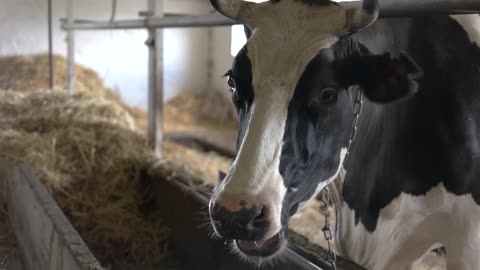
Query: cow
[{"x": 322, "y": 88}]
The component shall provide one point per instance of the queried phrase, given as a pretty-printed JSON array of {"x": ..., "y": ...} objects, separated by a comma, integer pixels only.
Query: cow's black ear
[{"x": 383, "y": 78}]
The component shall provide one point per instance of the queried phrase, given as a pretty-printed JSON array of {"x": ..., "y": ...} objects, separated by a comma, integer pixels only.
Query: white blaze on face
[
  {"x": 471, "y": 24},
  {"x": 279, "y": 51}
]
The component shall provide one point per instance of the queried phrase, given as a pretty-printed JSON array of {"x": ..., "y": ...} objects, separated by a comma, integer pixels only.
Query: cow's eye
[
  {"x": 327, "y": 95},
  {"x": 231, "y": 83},
  {"x": 233, "y": 90}
]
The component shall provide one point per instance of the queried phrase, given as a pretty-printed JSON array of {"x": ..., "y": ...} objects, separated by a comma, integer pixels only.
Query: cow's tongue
[{"x": 260, "y": 248}]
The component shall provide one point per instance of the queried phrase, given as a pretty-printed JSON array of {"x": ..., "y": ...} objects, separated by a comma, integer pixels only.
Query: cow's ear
[{"x": 383, "y": 78}]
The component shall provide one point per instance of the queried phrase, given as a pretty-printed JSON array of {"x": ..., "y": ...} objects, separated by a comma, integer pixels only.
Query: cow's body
[{"x": 413, "y": 175}]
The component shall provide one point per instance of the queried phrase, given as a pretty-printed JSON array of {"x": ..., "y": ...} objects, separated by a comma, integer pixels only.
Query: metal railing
[{"x": 390, "y": 9}]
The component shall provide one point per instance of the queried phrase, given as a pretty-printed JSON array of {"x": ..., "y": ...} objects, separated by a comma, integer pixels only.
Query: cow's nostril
[
  {"x": 262, "y": 214},
  {"x": 246, "y": 224},
  {"x": 260, "y": 221}
]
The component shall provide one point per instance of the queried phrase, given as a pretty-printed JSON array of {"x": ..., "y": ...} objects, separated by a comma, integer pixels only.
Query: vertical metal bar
[
  {"x": 50, "y": 45},
  {"x": 210, "y": 55},
  {"x": 70, "y": 49},
  {"x": 152, "y": 122},
  {"x": 159, "y": 80},
  {"x": 114, "y": 11},
  {"x": 155, "y": 79}
]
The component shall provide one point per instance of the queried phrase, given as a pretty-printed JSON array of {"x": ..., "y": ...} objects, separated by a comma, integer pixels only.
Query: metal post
[
  {"x": 50, "y": 45},
  {"x": 155, "y": 79},
  {"x": 70, "y": 49},
  {"x": 114, "y": 11}
]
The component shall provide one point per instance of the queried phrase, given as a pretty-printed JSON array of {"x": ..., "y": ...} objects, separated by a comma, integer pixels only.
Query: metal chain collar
[
  {"x": 327, "y": 229},
  {"x": 326, "y": 199},
  {"x": 357, "y": 110}
]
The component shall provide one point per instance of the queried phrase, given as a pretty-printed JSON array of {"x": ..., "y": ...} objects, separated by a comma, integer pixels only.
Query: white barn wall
[
  {"x": 222, "y": 59},
  {"x": 221, "y": 63},
  {"x": 119, "y": 56}
]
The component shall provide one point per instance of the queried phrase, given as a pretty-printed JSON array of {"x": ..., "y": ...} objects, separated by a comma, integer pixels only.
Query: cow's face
[{"x": 290, "y": 85}]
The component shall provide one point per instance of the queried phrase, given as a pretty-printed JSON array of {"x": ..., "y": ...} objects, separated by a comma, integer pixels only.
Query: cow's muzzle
[
  {"x": 248, "y": 226},
  {"x": 262, "y": 248}
]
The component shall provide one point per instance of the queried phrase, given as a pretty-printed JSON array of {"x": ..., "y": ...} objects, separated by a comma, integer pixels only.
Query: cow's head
[{"x": 290, "y": 87}]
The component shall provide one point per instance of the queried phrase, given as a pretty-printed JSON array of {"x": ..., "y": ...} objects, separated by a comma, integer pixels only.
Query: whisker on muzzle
[
  {"x": 206, "y": 223},
  {"x": 259, "y": 262}
]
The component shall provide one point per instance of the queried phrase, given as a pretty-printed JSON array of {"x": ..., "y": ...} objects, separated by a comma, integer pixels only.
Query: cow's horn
[
  {"x": 238, "y": 10},
  {"x": 364, "y": 16}
]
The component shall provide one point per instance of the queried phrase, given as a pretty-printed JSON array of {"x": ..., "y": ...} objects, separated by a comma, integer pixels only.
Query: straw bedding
[
  {"x": 28, "y": 73},
  {"x": 89, "y": 148},
  {"x": 205, "y": 117},
  {"x": 90, "y": 156}
]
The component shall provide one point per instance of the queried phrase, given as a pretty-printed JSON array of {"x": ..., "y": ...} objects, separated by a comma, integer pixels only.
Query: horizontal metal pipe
[
  {"x": 430, "y": 7},
  {"x": 166, "y": 22},
  {"x": 388, "y": 9}
]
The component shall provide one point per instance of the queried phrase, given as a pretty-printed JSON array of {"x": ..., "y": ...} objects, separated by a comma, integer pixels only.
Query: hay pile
[
  {"x": 204, "y": 117},
  {"x": 90, "y": 156},
  {"x": 208, "y": 116},
  {"x": 204, "y": 165},
  {"x": 204, "y": 110},
  {"x": 89, "y": 150},
  {"x": 28, "y": 73}
]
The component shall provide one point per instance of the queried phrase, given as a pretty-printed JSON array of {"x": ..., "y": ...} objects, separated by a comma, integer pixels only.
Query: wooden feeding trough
[
  {"x": 47, "y": 240},
  {"x": 45, "y": 237}
]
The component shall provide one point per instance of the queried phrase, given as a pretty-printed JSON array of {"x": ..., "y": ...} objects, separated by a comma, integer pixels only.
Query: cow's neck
[
  {"x": 422, "y": 144},
  {"x": 413, "y": 145},
  {"x": 385, "y": 144}
]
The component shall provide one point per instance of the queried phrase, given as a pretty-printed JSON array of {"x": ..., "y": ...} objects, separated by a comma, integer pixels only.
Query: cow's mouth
[{"x": 262, "y": 248}]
